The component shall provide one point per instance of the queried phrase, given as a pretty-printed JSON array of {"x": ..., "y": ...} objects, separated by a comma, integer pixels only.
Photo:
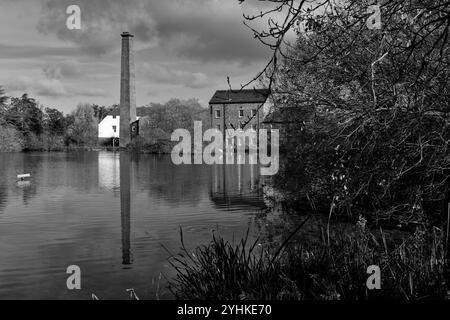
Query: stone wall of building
[{"x": 230, "y": 116}]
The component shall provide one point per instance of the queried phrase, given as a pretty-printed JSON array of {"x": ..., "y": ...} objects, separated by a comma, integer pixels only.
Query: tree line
[{"x": 26, "y": 125}]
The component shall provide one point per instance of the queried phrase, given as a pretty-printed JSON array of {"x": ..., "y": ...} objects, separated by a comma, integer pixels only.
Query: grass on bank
[{"x": 336, "y": 270}]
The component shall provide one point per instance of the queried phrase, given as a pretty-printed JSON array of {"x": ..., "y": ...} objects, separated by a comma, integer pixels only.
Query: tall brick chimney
[{"x": 127, "y": 90}]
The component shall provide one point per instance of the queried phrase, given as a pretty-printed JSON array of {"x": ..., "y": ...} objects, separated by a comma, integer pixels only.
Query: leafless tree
[{"x": 377, "y": 99}]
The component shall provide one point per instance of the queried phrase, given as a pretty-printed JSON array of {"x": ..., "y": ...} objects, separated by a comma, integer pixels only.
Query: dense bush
[
  {"x": 54, "y": 142},
  {"x": 33, "y": 142}
]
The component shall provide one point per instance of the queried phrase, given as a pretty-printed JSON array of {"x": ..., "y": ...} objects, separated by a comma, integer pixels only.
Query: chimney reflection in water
[{"x": 125, "y": 206}]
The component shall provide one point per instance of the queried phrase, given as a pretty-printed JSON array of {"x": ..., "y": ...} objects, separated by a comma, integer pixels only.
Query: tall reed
[{"x": 336, "y": 269}]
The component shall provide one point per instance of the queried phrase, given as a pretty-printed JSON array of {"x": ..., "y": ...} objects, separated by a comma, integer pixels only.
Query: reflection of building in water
[
  {"x": 109, "y": 170},
  {"x": 236, "y": 186},
  {"x": 125, "y": 206}
]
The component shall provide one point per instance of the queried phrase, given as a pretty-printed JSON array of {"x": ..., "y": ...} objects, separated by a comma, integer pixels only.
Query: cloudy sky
[{"x": 184, "y": 49}]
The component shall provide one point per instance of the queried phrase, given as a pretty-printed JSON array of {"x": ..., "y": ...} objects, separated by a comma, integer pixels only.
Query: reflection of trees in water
[
  {"x": 11, "y": 165},
  {"x": 3, "y": 182},
  {"x": 3, "y": 196},
  {"x": 52, "y": 170},
  {"x": 173, "y": 184},
  {"x": 29, "y": 191},
  {"x": 78, "y": 170}
]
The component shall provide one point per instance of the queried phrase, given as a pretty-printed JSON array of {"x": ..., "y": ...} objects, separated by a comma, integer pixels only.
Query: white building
[{"x": 109, "y": 127}]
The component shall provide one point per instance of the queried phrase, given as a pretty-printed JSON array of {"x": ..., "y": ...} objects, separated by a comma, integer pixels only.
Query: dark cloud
[
  {"x": 101, "y": 23},
  {"x": 202, "y": 30},
  {"x": 207, "y": 31}
]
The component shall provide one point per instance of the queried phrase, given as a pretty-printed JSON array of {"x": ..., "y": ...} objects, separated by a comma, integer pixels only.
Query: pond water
[{"x": 113, "y": 215}]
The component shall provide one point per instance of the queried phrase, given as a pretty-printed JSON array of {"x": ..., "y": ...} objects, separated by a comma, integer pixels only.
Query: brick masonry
[
  {"x": 127, "y": 89},
  {"x": 230, "y": 117}
]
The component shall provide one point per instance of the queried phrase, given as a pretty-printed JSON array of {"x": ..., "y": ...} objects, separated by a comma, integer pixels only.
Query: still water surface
[{"x": 111, "y": 214}]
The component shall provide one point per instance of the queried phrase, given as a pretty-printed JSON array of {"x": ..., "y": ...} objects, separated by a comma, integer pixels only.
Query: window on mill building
[
  {"x": 241, "y": 113},
  {"x": 217, "y": 113}
]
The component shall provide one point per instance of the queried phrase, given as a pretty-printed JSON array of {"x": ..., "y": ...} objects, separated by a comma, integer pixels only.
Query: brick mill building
[{"x": 238, "y": 109}]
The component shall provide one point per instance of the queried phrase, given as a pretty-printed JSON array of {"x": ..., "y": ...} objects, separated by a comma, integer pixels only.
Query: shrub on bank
[
  {"x": 54, "y": 143},
  {"x": 33, "y": 142},
  {"x": 10, "y": 139},
  {"x": 143, "y": 145},
  {"x": 43, "y": 142}
]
